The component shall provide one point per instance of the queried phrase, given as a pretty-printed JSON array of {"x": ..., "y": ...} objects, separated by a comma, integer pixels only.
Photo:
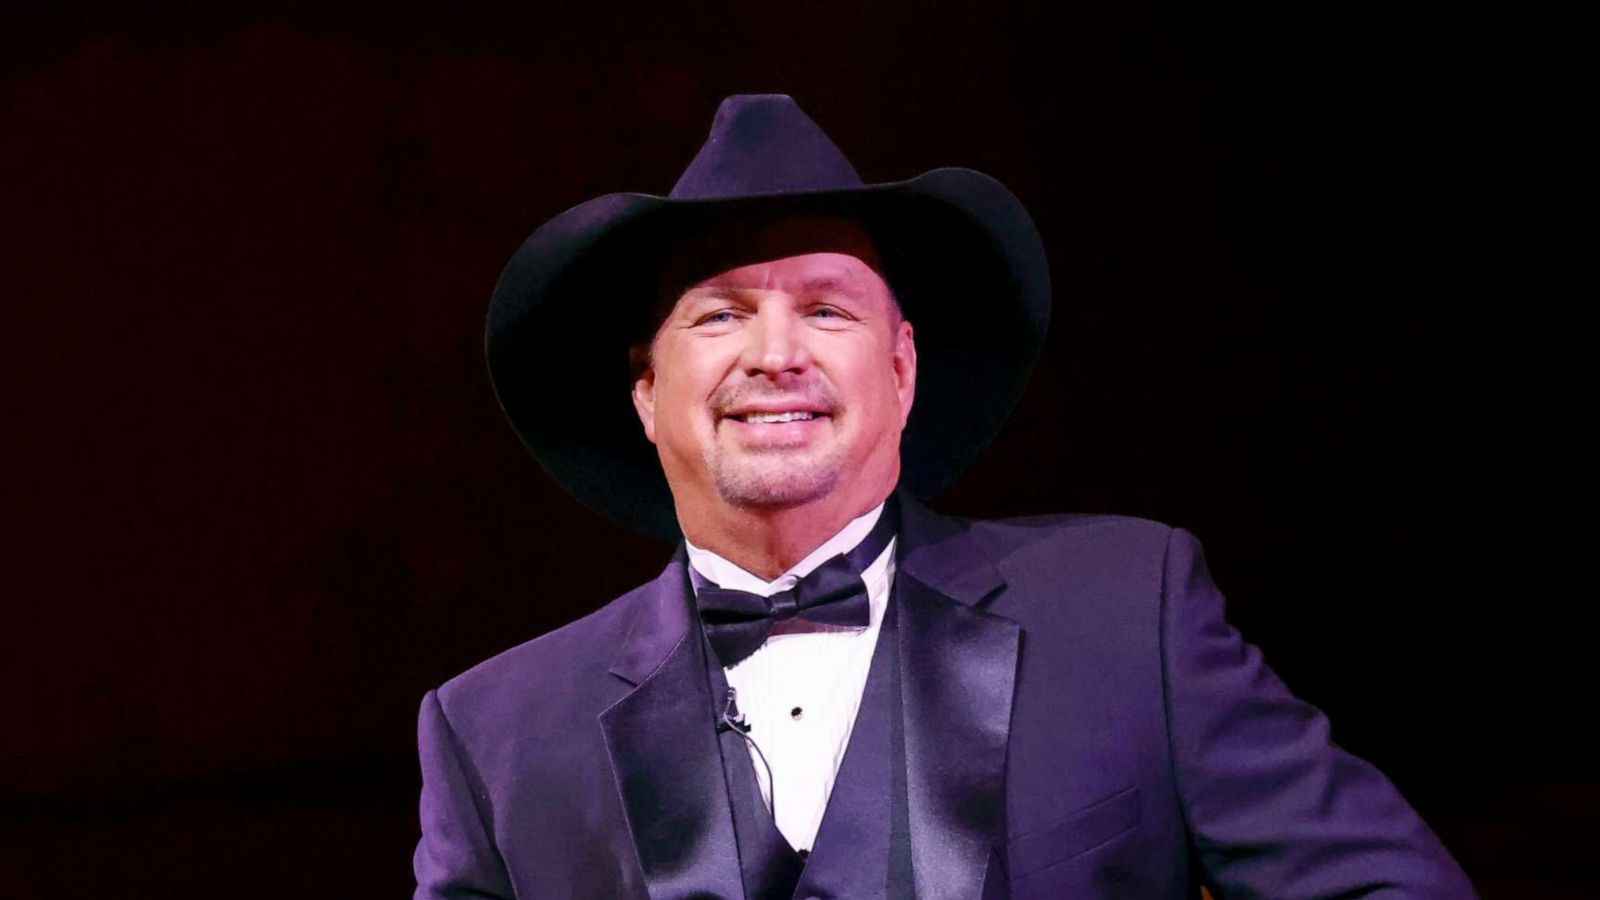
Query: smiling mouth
[{"x": 774, "y": 418}]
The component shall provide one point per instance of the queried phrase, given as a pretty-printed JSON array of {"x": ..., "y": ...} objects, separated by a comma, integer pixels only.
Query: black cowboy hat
[{"x": 960, "y": 253}]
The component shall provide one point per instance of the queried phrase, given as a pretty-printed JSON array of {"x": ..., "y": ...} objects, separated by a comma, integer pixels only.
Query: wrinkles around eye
[{"x": 726, "y": 316}]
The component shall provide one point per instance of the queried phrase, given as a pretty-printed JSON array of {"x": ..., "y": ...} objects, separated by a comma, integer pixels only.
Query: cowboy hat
[{"x": 958, "y": 250}]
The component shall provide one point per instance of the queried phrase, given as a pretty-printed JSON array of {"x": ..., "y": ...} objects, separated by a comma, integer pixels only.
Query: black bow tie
[{"x": 737, "y": 622}]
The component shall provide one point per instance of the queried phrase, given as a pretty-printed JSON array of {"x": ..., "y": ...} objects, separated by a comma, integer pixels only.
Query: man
[{"x": 831, "y": 691}]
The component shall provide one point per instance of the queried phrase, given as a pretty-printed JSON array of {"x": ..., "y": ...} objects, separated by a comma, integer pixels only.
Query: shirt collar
[{"x": 723, "y": 573}]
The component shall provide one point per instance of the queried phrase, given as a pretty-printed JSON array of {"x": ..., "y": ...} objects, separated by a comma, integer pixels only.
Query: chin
[{"x": 776, "y": 483}]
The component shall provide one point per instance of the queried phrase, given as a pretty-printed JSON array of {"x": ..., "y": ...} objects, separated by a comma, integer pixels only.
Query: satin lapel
[
  {"x": 663, "y": 748},
  {"x": 959, "y": 670}
]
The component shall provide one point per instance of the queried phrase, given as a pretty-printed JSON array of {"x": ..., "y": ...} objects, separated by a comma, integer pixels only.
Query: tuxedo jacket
[{"x": 1074, "y": 718}]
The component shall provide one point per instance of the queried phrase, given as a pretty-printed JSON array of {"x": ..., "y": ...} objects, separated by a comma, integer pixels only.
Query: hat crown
[{"x": 764, "y": 144}]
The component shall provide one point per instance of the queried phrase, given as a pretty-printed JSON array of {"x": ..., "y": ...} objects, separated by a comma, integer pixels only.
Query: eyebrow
[
  {"x": 715, "y": 292},
  {"x": 820, "y": 284},
  {"x": 828, "y": 284}
]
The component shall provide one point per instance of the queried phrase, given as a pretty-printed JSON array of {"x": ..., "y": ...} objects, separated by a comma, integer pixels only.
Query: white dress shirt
[{"x": 800, "y": 690}]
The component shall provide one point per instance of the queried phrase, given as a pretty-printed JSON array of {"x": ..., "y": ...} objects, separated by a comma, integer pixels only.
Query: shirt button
[{"x": 796, "y": 713}]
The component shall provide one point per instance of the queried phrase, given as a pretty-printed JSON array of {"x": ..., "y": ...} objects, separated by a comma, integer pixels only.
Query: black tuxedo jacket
[{"x": 1075, "y": 718}]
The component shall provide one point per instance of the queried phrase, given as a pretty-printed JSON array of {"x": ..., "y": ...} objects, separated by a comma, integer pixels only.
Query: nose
[{"x": 775, "y": 343}]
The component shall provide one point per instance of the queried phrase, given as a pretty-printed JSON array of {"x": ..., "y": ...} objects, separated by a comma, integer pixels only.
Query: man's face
[{"x": 779, "y": 383}]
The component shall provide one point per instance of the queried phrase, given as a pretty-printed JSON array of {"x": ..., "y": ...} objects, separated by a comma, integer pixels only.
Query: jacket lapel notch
[
  {"x": 659, "y": 620},
  {"x": 943, "y": 554}
]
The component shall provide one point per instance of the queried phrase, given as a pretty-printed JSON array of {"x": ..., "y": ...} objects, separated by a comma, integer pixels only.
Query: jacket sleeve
[
  {"x": 456, "y": 858},
  {"x": 1274, "y": 808}
]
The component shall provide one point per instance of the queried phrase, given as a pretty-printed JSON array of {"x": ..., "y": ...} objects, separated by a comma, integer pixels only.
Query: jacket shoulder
[
  {"x": 1108, "y": 538},
  {"x": 1080, "y": 573},
  {"x": 514, "y": 684}
]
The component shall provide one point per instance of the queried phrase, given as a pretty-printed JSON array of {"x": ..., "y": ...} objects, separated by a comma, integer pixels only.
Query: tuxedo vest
[{"x": 862, "y": 847}]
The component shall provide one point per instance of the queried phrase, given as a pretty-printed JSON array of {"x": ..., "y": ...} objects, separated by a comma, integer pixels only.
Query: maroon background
[{"x": 259, "y": 497}]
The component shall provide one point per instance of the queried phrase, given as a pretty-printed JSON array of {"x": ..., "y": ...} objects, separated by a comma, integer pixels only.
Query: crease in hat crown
[{"x": 764, "y": 144}]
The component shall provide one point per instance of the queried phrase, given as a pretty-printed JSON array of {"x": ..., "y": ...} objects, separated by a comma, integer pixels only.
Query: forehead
[
  {"x": 745, "y": 244},
  {"x": 806, "y": 273}
]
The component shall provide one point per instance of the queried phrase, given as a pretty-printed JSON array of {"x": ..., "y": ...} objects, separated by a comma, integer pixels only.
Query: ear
[
  {"x": 905, "y": 368},
  {"x": 644, "y": 402}
]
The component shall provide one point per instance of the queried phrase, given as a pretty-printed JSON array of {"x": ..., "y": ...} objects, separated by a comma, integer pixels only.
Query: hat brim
[{"x": 959, "y": 250}]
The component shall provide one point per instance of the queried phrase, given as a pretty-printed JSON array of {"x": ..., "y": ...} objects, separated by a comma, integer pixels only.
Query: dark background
[{"x": 259, "y": 498}]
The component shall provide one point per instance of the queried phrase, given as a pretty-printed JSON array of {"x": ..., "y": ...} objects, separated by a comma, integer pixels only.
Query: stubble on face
[
  {"x": 774, "y": 477},
  {"x": 770, "y": 481}
]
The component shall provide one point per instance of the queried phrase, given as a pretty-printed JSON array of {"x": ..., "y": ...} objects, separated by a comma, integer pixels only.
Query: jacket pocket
[{"x": 1076, "y": 832}]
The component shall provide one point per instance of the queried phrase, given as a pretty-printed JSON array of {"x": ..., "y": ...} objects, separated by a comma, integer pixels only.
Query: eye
[
  {"x": 719, "y": 317},
  {"x": 829, "y": 312}
]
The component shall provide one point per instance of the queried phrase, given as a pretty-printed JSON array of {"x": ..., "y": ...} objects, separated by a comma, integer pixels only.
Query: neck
[{"x": 768, "y": 542}]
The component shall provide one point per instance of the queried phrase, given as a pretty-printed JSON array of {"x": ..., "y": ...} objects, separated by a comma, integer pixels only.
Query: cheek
[
  {"x": 682, "y": 408},
  {"x": 672, "y": 415},
  {"x": 892, "y": 410},
  {"x": 877, "y": 398}
]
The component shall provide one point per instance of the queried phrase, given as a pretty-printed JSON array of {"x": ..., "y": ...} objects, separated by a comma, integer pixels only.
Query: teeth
[{"x": 774, "y": 418}]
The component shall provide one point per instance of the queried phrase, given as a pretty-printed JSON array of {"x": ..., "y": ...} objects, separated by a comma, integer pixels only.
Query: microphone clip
[{"x": 731, "y": 716}]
